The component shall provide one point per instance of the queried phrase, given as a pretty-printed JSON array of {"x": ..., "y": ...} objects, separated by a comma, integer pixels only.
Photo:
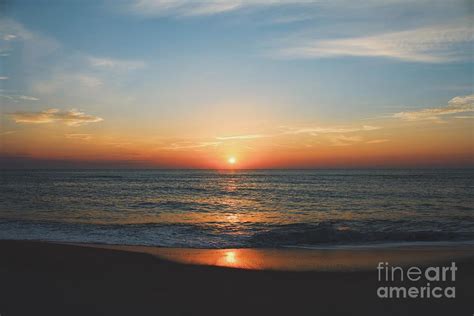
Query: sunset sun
[{"x": 232, "y": 160}]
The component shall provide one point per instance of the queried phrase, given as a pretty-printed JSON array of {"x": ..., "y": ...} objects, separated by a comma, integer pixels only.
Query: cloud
[
  {"x": 191, "y": 145},
  {"x": 212, "y": 7},
  {"x": 78, "y": 136},
  {"x": 89, "y": 81},
  {"x": 181, "y": 7},
  {"x": 119, "y": 144},
  {"x": 189, "y": 8},
  {"x": 332, "y": 134},
  {"x": 34, "y": 45},
  {"x": 7, "y": 133},
  {"x": 328, "y": 130},
  {"x": 27, "y": 98},
  {"x": 343, "y": 140},
  {"x": 236, "y": 137},
  {"x": 80, "y": 73},
  {"x": 9, "y": 97},
  {"x": 377, "y": 141},
  {"x": 434, "y": 44},
  {"x": 287, "y": 19},
  {"x": 17, "y": 98},
  {"x": 71, "y": 72},
  {"x": 199, "y": 8},
  {"x": 314, "y": 131},
  {"x": 460, "y": 104},
  {"x": 70, "y": 118},
  {"x": 63, "y": 81},
  {"x": 464, "y": 117},
  {"x": 8, "y": 37},
  {"x": 110, "y": 63}
]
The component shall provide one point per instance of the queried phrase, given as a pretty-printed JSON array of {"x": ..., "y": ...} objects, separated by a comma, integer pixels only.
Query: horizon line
[{"x": 245, "y": 169}]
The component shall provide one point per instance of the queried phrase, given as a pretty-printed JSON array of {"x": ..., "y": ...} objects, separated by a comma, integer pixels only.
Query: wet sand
[
  {"x": 38, "y": 278},
  {"x": 296, "y": 259}
]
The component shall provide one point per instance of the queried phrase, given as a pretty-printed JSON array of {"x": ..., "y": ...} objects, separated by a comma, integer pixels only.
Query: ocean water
[{"x": 222, "y": 209}]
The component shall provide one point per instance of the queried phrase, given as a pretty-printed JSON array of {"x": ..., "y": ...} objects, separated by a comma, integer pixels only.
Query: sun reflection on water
[{"x": 230, "y": 257}]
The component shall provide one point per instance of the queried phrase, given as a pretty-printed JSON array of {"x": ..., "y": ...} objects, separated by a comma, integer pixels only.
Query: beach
[{"x": 40, "y": 278}]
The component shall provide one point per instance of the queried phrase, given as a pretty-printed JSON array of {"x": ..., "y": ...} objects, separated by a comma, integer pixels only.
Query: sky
[{"x": 270, "y": 84}]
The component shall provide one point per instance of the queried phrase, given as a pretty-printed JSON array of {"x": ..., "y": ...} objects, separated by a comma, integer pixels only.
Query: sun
[{"x": 232, "y": 160}]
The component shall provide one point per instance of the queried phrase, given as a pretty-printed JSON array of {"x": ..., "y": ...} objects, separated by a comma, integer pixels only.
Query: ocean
[{"x": 239, "y": 208}]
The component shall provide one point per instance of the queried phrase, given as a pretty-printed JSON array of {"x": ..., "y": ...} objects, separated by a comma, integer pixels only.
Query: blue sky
[{"x": 151, "y": 66}]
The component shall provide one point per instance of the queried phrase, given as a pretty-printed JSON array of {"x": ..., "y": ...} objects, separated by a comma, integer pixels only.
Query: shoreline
[
  {"x": 45, "y": 278},
  {"x": 322, "y": 246},
  {"x": 297, "y": 258}
]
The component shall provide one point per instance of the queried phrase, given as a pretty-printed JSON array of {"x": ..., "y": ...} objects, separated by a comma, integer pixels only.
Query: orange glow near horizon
[{"x": 391, "y": 145}]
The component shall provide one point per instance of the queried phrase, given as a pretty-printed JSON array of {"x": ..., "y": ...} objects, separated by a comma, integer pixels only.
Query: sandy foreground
[{"x": 39, "y": 278}]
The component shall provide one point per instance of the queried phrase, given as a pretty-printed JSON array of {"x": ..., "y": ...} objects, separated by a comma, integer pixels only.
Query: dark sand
[{"x": 39, "y": 278}]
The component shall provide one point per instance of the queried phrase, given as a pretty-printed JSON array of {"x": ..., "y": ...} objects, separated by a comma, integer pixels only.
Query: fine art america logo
[{"x": 416, "y": 282}]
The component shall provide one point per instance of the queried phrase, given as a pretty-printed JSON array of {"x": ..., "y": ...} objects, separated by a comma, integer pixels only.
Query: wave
[
  {"x": 173, "y": 205},
  {"x": 217, "y": 235},
  {"x": 330, "y": 233}
]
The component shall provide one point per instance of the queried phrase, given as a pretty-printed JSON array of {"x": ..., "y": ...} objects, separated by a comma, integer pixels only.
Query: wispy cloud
[
  {"x": 188, "y": 7},
  {"x": 460, "y": 104},
  {"x": 314, "y": 131},
  {"x": 191, "y": 145},
  {"x": 70, "y": 118},
  {"x": 434, "y": 44},
  {"x": 78, "y": 136},
  {"x": 3, "y": 78},
  {"x": 212, "y": 7},
  {"x": 240, "y": 137},
  {"x": 328, "y": 130},
  {"x": 81, "y": 73},
  {"x": 287, "y": 19},
  {"x": 342, "y": 140},
  {"x": 7, "y": 133},
  {"x": 377, "y": 141},
  {"x": 119, "y": 64},
  {"x": 89, "y": 81},
  {"x": 27, "y": 98},
  {"x": 63, "y": 81},
  {"x": 9, "y": 37},
  {"x": 34, "y": 45},
  {"x": 17, "y": 98}
]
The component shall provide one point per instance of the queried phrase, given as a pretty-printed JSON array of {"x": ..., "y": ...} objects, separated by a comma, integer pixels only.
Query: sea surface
[{"x": 233, "y": 209}]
